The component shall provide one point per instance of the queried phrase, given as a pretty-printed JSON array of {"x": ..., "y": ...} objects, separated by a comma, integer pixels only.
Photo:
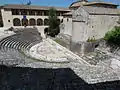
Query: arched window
[
  {"x": 32, "y": 22},
  {"x": 24, "y": 22},
  {"x": 16, "y": 22},
  {"x": 39, "y": 22},
  {"x": 46, "y": 21}
]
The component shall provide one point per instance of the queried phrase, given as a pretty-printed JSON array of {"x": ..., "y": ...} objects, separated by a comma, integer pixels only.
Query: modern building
[{"x": 19, "y": 16}]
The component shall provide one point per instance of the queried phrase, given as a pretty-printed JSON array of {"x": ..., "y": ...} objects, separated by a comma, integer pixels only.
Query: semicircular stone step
[
  {"x": 7, "y": 44},
  {"x": 26, "y": 45},
  {"x": 13, "y": 45},
  {"x": 32, "y": 44},
  {"x": 10, "y": 42},
  {"x": 22, "y": 45},
  {"x": 18, "y": 44},
  {"x": 3, "y": 40}
]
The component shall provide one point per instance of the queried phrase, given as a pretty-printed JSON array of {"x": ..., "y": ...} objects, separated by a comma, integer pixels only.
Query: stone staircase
[
  {"x": 22, "y": 40},
  {"x": 12, "y": 47}
]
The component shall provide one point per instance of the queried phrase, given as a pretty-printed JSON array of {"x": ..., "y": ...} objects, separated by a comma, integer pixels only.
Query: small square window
[{"x": 8, "y": 20}]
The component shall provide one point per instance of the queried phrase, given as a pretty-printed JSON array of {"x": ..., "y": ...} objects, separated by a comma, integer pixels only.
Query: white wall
[
  {"x": 66, "y": 26},
  {"x": 101, "y": 24},
  {"x": 7, "y": 15},
  {"x": 94, "y": 25},
  {"x": 80, "y": 32},
  {"x": 97, "y": 26}
]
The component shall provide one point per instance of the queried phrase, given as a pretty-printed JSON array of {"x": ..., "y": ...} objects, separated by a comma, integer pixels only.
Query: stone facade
[
  {"x": 86, "y": 25},
  {"x": 66, "y": 26},
  {"x": 37, "y": 14},
  {"x": 89, "y": 21}
]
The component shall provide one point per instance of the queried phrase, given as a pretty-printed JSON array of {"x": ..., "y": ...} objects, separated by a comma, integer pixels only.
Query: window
[
  {"x": 8, "y": 20},
  {"x": 24, "y": 22},
  {"x": 23, "y": 12},
  {"x": 32, "y": 22},
  {"x": 16, "y": 22},
  {"x": 46, "y": 21},
  {"x": 45, "y": 13},
  {"x": 39, "y": 22},
  {"x": 39, "y": 13},
  {"x": 15, "y": 12},
  {"x": 31, "y": 12}
]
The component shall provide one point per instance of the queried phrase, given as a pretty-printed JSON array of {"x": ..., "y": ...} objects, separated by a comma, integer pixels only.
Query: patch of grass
[{"x": 63, "y": 43}]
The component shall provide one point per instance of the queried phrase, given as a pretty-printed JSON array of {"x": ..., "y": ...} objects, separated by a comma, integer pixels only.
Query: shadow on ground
[{"x": 22, "y": 78}]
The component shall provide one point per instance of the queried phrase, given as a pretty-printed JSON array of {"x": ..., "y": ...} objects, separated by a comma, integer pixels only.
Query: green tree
[
  {"x": 53, "y": 28},
  {"x": 113, "y": 36}
]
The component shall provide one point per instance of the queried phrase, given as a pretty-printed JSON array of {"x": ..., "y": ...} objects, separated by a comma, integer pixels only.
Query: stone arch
[
  {"x": 16, "y": 22},
  {"x": 32, "y": 22},
  {"x": 46, "y": 21},
  {"x": 25, "y": 22},
  {"x": 39, "y": 22}
]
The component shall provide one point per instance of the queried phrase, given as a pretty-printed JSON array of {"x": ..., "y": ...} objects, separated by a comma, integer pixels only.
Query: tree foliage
[
  {"x": 113, "y": 36},
  {"x": 53, "y": 29}
]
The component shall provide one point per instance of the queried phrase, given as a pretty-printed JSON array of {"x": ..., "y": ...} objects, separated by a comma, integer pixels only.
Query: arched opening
[
  {"x": 24, "y": 22},
  {"x": 16, "y": 22},
  {"x": 39, "y": 22},
  {"x": 58, "y": 21},
  {"x": 46, "y": 22},
  {"x": 32, "y": 22},
  {"x": 46, "y": 31}
]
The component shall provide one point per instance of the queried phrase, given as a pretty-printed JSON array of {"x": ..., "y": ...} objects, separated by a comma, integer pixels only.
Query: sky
[{"x": 59, "y": 3}]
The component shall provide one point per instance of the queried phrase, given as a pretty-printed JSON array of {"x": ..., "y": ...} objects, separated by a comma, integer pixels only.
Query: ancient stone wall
[
  {"x": 83, "y": 47},
  {"x": 96, "y": 25}
]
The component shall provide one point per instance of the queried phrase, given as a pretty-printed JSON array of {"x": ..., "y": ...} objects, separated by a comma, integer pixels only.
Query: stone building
[
  {"x": 18, "y": 16},
  {"x": 89, "y": 20}
]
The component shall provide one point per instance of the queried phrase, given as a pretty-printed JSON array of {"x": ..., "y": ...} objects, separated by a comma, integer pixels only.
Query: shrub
[
  {"x": 113, "y": 36},
  {"x": 92, "y": 39}
]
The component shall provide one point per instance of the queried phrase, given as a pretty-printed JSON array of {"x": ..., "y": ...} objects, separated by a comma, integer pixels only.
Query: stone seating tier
[{"x": 23, "y": 39}]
